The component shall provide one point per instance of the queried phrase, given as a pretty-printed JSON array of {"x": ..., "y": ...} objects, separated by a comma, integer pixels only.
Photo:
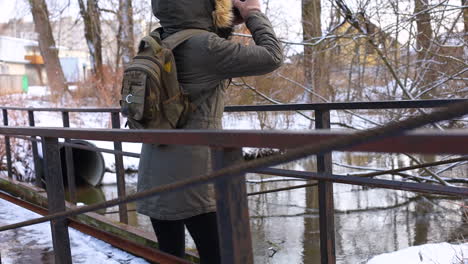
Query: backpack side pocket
[{"x": 139, "y": 102}]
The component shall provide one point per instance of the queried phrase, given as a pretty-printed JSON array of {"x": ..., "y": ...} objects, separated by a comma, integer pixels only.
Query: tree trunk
[
  {"x": 316, "y": 72},
  {"x": 126, "y": 36},
  {"x": 48, "y": 49},
  {"x": 465, "y": 15},
  {"x": 465, "y": 21},
  {"x": 92, "y": 22},
  {"x": 424, "y": 37}
]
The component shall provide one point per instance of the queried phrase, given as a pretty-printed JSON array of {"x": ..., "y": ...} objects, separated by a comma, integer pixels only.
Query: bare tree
[
  {"x": 49, "y": 50},
  {"x": 424, "y": 37},
  {"x": 126, "y": 36},
  {"x": 316, "y": 71},
  {"x": 92, "y": 22}
]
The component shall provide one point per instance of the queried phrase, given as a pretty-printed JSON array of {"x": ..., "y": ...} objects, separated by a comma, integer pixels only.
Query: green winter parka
[{"x": 204, "y": 64}]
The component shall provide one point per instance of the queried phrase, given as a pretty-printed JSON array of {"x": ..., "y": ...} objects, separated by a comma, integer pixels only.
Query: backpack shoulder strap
[
  {"x": 151, "y": 42},
  {"x": 180, "y": 37}
]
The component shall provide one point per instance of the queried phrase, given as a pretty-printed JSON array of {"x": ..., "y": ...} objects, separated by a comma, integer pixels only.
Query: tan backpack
[{"x": 152, "y": 97}]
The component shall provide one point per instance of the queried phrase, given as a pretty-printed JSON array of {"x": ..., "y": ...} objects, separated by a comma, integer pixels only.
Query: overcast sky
[{"x": 12, "y": 9}]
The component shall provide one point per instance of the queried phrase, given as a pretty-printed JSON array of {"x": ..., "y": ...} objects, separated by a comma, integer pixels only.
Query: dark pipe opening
[{"x": 89, "y": 166}]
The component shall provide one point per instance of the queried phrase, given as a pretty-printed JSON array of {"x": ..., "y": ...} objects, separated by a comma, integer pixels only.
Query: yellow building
[{"x": 353, "y": 47}]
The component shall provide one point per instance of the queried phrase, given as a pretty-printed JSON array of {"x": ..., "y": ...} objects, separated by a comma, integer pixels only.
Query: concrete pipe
[{"x": 89, "y": 166}]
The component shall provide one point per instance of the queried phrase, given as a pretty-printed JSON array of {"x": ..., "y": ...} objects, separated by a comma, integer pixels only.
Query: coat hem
[{"x": 178, "y": 215}]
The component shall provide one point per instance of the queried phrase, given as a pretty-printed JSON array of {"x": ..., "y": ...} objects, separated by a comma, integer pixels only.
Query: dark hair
[{"x": 225, "y": 32}]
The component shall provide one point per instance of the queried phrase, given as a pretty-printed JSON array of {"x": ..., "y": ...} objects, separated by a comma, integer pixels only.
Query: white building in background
[
  {"x": 20, "y": 55},
  {"x": 69, "y": 34},
  {"x": 21, "y": 65},
  {"x": 12, "y": 55},
  {"x": 13, "y": 65}
]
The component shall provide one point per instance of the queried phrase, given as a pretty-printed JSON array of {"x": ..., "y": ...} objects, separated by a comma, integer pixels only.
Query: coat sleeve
[{"x": 228, "y": 59}]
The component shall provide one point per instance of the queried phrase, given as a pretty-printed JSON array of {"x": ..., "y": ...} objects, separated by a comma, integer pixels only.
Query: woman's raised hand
[{"x": 246, "y": 7}]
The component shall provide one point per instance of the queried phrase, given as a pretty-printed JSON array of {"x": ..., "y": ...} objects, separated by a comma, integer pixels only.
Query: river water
[
  {"x": 369, "y": 222},
  {"x": 285, "y": 225}
]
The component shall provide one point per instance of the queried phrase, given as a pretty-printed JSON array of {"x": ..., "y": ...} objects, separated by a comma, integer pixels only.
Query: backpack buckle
[{"x": 127, "y": 99}]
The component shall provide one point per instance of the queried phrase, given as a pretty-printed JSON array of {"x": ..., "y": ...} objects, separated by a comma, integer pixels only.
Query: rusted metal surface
[
  {"x": 119, "y": 170},
  {"x": 279, "y": 172},
  {"x": 345, "y": 106},
  {"x": 323, "y": 147},
  {"x": 377, "y": 183},
  {"x": 69, "y": 161},
  {"x": 442, "y": 142},
  {"x": 84, "y": 147},
  {"x": 147, "y": 253},
  {"x": 23, "y": 204},
  {"x": 56, "y": 200},
  {"x": 320, "y": 143},
  {"x": 233, "y": 211},
  {"x": 326, "y": 202},
  {"x": 285, "y": 107},
  {"x": 64, "y": 109},
  {"x": 7, "y": 145}
]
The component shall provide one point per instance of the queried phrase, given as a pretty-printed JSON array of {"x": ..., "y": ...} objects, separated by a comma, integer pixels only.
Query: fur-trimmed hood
[{"x": 176, "y": 15}]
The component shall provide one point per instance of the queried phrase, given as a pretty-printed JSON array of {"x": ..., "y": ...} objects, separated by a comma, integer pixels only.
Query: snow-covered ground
[
  {"x": 33, "y": 244},
  {"x": 443, "y": 253}
]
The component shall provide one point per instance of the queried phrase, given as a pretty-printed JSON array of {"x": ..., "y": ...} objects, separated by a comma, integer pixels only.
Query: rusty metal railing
[
  {"x": 322, "y": 113},
  {"x": 231, "y": 194}
]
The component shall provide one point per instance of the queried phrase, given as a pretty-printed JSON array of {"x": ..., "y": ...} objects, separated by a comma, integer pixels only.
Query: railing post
[
  {"x": 119, "y": 170},
  {"x": 233, "y": 211},
  {"x": 37, "y": 161},
  {"x": 69, "y": 162},
  {"x": 326, "y": 204},
  {"x": 7, "y": 145},
  {"x": 56, "y": 199}
]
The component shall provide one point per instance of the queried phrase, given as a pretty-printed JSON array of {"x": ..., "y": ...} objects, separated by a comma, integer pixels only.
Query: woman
[{"x": 205, "y": 63}]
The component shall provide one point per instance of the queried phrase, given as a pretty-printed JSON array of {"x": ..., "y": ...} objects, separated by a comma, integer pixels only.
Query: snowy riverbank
[
  {"x": 33, "y": 244},
  {"x": 443, "y": 253}
]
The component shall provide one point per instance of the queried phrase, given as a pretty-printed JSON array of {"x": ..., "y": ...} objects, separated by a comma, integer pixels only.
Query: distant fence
[{"x": 11, "y": 84}]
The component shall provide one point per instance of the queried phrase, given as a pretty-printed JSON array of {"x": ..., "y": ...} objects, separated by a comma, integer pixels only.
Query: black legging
[{"x": 203, "y": 229}]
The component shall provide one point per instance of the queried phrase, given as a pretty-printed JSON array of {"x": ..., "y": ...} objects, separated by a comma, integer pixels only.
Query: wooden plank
[
  {"x": 326, "y": 202},
  {"x": 69, "y": 162},
  {"x": 233, "y": 212},
  {"x": 7, "y": 145},
  {"x": 119, "y": 170},
  {"x": 56, "y": 200}
]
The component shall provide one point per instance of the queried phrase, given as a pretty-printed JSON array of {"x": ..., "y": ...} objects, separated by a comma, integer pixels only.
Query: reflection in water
[
  {"x": 88, "y": 194},
  {"x": 311, "y": 239},
  {"x": 285, "y": 225},
  {"x": 422, "y": 216}
]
